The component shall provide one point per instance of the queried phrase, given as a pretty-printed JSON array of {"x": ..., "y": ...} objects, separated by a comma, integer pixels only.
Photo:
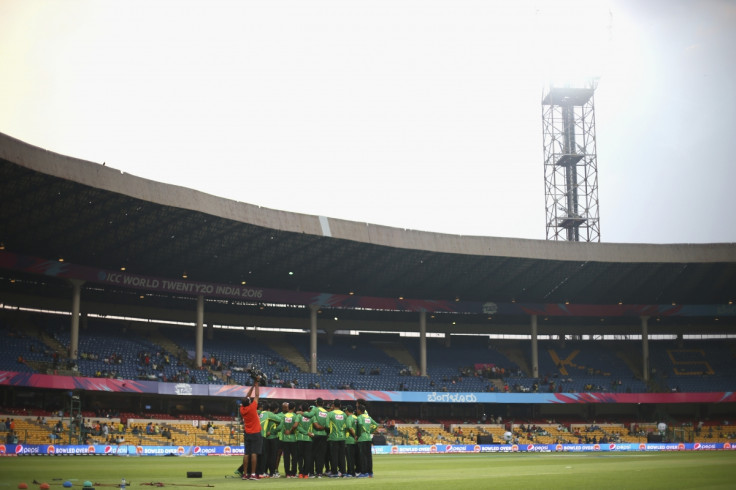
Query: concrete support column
[
  {"x": 645, "y": 347},
  {"x": 199, "y": 332},
  {"x": 535, "y": 348},
  {"x": 423, "y": 342},
  {"x": 76, "y": 302},
  {"x": 313, "y": 338}
]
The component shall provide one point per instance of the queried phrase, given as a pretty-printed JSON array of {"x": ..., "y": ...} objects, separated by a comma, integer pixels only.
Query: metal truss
[{"x": 570, "y": 163}]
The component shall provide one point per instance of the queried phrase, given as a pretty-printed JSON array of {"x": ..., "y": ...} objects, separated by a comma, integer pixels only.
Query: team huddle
[{"x": 312, "y": 440}]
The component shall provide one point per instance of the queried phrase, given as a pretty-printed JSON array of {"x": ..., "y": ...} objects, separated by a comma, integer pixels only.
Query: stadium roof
[{"x": 57, "y": 207}]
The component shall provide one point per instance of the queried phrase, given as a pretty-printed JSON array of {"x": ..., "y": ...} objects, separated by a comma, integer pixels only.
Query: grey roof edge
[{"x": 113, "y": 180}]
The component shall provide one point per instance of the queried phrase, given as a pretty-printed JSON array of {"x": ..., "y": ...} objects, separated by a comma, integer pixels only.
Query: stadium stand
[
  {"x": 695, "y": 366},
  {"x": 467, "y": 365}
]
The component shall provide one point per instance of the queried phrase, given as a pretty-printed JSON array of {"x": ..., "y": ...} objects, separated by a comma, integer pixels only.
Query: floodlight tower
[{"x": 570, "y": 162}]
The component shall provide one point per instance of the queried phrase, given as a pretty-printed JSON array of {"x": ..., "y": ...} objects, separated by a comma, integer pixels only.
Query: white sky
[{"x": 421, "y": 114}]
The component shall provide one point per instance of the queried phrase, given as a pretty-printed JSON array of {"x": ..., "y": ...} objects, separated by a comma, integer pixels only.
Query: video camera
[{"x": 257, "y": 374}]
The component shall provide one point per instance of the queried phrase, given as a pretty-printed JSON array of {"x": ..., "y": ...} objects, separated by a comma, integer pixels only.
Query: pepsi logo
[
  {"x": 696, "y": 445},
  {"x": 448, "y": 448},
  {"x": 611, "y": 447},
  {"x": 530, "y": 447},
  {"x": 19, "y": 449},
  {"x": 108, "y": 449},
  {"x": 197, "y": 449}
]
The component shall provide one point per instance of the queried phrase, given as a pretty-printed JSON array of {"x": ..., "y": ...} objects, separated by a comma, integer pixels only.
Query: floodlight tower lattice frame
[{"x": 570, "y": 163}]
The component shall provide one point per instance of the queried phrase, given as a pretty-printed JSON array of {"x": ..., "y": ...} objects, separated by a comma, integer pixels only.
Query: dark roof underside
[{"x": 49, "y": 217}]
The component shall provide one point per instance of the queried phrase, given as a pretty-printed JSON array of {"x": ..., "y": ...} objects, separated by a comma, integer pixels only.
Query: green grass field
[{"x": 675, "y": 470}]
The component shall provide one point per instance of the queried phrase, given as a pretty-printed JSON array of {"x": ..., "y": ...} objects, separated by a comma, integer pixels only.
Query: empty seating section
[
  {"x": 20, "y": 350},
  {"x": 29, "y": 430},
  {"x": 453, "y": 368},
  {"x": 694, "y": 366},
  {"x": 365, "y": 362},
  {"x": 236, "y": 350},
  {"x": 348, "y": 363},
  {"x": 520, "y": 433},
  {"x": 110, "y": 349},
  {"x": 579, "y": 366}
]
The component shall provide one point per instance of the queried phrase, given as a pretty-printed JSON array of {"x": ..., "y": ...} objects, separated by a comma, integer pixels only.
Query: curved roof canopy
[{"x": 56, "y": 207}]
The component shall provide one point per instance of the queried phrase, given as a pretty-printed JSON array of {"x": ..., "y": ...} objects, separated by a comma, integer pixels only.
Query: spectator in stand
[{"x": 11, "y": 438}]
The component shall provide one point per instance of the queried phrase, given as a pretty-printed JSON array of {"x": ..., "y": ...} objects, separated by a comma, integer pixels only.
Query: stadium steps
[
  {"x": 175, "y": 350},
  {"x": 732, "y": 349},
  {"x": 514, "y": 354},
  {"x": 629, "y": 357},
  {"x": 498, "y": 384},
  {"x": 288, "y": 352},
  {"x": 53, "y": 344},
  {"x": 399, "y": 352},
  {"x": 45, "y": 367},
  {"x": 42, "y": 367},
  {"x": 155, "y": 336}
]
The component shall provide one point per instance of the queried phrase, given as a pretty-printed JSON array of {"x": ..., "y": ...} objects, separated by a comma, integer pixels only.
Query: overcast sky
[{"x": 420, "y": 114}]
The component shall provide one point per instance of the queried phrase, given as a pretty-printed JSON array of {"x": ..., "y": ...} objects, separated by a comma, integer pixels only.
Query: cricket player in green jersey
[
  {"x": 288, "y": 431},
  {"x": 366, "y": 426},
  {"x": 351, "y": 448},
  {"x": 304, "y": 434},
  {"x": 337, "y": 422},
  {"x": 319, "y": 441},
  {"x": 269, "y": 425}
]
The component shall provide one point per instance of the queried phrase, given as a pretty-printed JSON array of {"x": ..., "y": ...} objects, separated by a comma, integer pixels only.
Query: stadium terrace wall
[{"x": 47, "y": 381}]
